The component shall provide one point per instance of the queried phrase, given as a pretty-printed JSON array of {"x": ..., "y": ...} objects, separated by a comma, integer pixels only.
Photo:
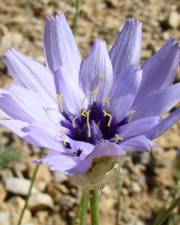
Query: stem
[
  {"x": 74, "y": 27},
  {"x": 83, "y": 209},
  {"x": 167, "y": 212},
  {"x": 28, "y": 195},
  {"x": 94, "y": 205}
]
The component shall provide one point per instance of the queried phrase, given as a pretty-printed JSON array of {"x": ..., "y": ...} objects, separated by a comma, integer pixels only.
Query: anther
[
  {"x": 86, "y": 113},
  {"x": 60, "y": 98},
  {"x": 110, "y": 117},
  {"x": 118, "y": 138}
]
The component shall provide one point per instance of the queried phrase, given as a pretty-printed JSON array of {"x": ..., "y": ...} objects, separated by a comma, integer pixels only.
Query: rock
[
  {"x": 42, "y": 175},
  {"x": 15, "y": 206},
  {"x": 174, "y": 19},
  {"x": 2, "y": 193},
  {"x": 18, "y": 186},
  {"x": 67, "y": 202},
  {"x": 135, "y": 187},
  {"x": 40, "y": 201},
  {"x": 59, "y": 178},
  {"x": 4, "y": 218}
]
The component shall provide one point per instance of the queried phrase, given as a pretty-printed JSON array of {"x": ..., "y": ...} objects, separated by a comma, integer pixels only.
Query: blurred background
[{"x": 150, "y": 181}]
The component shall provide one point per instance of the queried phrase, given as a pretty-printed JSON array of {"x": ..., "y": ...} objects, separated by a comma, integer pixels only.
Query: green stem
[
  {"x": 74, "y": 27},
  {"x": 28, "y": 195},
  {"x": 83, "y": 209},
  {"x": 94, "y": 206},
  {"x": 164, "y": 215}
]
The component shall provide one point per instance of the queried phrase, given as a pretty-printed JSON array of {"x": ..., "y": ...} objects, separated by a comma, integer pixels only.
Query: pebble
[
  {"x": 135, "y": 187},
  {"x": 2, "y": 192},
  {"x": 4, "y": 218},
  {"x": 59, "y": 178},
  {"x": 174, "y": 19},
  {"x": 67, "y": 202},
  {"x": 15, "y": 206},
  {"x": 18, "y": 186},
  {"x": 40, "y": 201}
]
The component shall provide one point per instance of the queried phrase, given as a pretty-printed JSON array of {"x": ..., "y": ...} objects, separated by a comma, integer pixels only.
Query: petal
[
  {"x": 72, "y": 95},
  {"x": 164, "y": 125},
  {"x": 13, "y": 109},
  {"x": 23, "y": 104},
  {"x": 69, "y": 165},
  {"x": 124, "y": 91},
  {"x": 158, "y": 102},
  {"x": 96, "y": 72},
  {"x": 138, "y": 127},
  {"x": 14, "y": 125},
  {"x": 60, "y": 46},
  {"x": 160, "y": 70},
  {"x": 85, "y": 147},
  {"x": 31, "y": 75},
  {"x": 106, "y": 148},
  {"x": 127, "y": 48},
  {"x": 44, "y": 137},
  {"x": 139, "y": 143}
]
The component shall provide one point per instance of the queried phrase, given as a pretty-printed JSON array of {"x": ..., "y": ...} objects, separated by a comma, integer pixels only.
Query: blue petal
[
  {"x": 139, "y": 143},
  {"x": 164, "y": 125},
  {"x": 127, "y": 48},
  {"x": 159, "y": 71},
  {"x": 158, "y": 102},
  {"x": 60, "y": 47},
  {"x": 124, "y": 91},
  {"x": 96, "y": 73},
  {"x": 31, "y": 75}
]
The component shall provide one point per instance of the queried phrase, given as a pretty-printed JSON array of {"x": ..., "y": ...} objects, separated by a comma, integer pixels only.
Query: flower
[{"x": 90, "y": 112}]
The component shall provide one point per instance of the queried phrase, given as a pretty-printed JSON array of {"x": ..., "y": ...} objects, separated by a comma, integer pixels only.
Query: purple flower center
[{"x": 93, "y": 124}]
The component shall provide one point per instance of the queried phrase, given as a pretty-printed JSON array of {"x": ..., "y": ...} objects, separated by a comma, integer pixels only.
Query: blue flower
[{"x": 90, "y": 110}]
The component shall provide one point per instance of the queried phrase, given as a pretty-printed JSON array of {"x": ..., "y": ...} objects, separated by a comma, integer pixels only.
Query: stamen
[
  {"x": 86, "y": 113},
  {"x": 74, "y": 120},
  {"x": 60, "y": 98},
  {"x": 132, "y": 112},
  {"x": 118, "y": 138},
  {"x": 110, "y": 117}
]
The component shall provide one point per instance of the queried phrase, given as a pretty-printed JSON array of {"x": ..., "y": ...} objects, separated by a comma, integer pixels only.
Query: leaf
[
  {"x": 165, "y": 213},
  {"x": 8, "y": 155}
]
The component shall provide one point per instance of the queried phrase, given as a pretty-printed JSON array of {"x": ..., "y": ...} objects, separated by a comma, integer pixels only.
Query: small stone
[
  {"x": 2, "y": 192},
  {"x": 174, "y": 19},
  {"x": 4, "y": 218},
  {"x": 59, "y": 178},
  {"x": 135, "y": 187},
  {"x": 42, "y": 175},
  {"x": 67, "y": 202},
  {"x": 18, "y": 186},
  {"x": 40, "y": 201},
  {"x": 15, "y": 206}
]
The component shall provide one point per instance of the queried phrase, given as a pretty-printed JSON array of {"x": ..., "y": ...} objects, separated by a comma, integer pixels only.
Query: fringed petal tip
[
  {"x": 8, "y": 53},
  {"x": 132, "y": 21},
  {"x": 59, "y": 16}
]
